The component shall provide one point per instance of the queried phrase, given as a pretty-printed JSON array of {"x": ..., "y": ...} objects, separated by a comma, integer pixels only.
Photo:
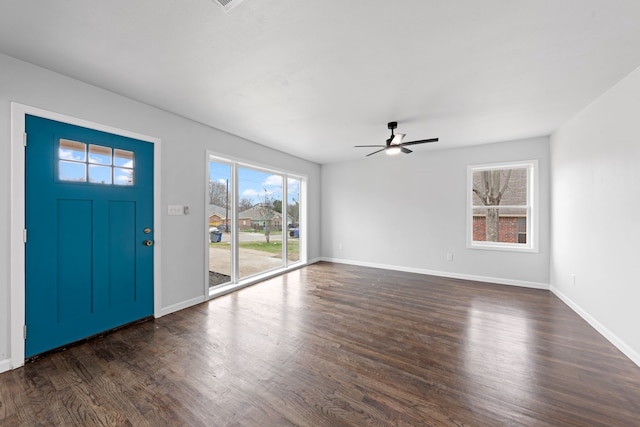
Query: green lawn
[
  {"x": 273, "y": 247},
  {"x": 272, "y": 232}
]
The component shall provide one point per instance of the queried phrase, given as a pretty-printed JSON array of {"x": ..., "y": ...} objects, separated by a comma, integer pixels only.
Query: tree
[
  {"x": 277, "y": 206},
  {"x": 267, "y": 213},
  {"x": 218, "y": 193},
  {"x": 244, "y": 204},
  {"x": 490, "y": 187}
]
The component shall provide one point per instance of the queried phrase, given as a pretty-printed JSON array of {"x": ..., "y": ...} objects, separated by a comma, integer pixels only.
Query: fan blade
[
  {"x": 423, "y": 141},
  {"x": 397, "y": 138},
  {"x": 405, "y": 150},
  {"x": 370, "y": 154},
  {"x": 360, "y": 146}
]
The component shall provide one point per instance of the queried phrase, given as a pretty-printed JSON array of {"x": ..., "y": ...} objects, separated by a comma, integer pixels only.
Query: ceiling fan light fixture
[
  {"x": 227, "y": 5},
  {"x": 394, "y": 143},
  {"x": 397, "y": 138},
  {"x": 392, "y": 150}
]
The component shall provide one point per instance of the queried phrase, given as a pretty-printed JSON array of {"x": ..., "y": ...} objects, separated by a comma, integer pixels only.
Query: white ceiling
[{"x": 315, "y": 77}]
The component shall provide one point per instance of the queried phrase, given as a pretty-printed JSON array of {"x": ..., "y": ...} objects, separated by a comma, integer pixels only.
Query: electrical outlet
[
  {"x": 573, "y": 279},
  {"x": 339, "y": 246},
  {"x": 449, "y": 257}
]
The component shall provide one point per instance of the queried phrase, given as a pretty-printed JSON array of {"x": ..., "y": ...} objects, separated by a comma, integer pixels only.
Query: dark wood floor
[{"x": 334, "y": 345}]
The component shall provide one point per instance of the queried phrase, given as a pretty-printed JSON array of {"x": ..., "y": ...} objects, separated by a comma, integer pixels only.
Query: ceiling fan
[{"x": 394, "y": 143}]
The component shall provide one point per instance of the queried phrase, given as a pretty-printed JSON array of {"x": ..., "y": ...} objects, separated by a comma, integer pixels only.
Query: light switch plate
[{"x": 175, "y": 210}]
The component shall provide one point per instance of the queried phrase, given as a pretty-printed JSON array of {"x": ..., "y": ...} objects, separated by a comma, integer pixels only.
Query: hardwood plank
[{"x": 338, "y": 345}]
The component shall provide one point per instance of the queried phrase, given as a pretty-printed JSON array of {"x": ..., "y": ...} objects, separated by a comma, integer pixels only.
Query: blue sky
[
  {"x": 252, "y": 183},
  {"x": 104, "y": 165}
]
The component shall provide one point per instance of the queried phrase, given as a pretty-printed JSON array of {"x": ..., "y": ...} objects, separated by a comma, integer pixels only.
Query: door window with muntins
[{"x": 96, "y": 164}]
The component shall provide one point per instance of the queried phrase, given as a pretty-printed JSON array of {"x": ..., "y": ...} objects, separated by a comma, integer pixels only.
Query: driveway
[{"x": 251, "y": 261}]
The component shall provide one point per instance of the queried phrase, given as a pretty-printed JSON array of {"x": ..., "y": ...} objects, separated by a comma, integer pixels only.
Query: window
[
  {"x": 522, "y": 230},
  {"x": 265, "y": 208},
  {"x": 102, "y": 165},
  {"x": 502, "y": 211}
]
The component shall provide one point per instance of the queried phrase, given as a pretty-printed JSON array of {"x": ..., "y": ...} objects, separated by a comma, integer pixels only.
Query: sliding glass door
[{"x": 255, "y": 222}]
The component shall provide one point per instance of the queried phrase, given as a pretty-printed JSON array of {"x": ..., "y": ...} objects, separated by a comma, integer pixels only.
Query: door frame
[{"x": 17, "y": 248}]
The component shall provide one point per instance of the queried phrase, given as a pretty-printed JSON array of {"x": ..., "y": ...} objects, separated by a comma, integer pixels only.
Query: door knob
[{"x": 148, "y": 243}]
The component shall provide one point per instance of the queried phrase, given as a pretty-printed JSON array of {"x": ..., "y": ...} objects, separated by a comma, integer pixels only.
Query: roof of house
[
  {"x": 257, "y": 213},
  {"x": 218, "y": 210}
]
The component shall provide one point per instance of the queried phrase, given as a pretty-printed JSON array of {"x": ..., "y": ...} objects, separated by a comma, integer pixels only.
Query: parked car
[{"x": 294, "y": 232}]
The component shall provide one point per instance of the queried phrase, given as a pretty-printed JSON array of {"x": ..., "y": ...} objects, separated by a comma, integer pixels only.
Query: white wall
[
  {"x": 184, "y": 145},
  {"x": 408, "y": 212},
  {"x": 596, "y": 200}
]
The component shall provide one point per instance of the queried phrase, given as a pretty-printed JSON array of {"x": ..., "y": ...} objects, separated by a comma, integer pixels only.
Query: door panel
[
  {"x": 122, "y": 253},
  {"x": 89, "y": 196},
  {"x": 74, "y": 297}
]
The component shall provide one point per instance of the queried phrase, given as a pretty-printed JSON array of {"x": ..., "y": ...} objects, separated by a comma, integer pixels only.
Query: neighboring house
[
  {"x": 218, "y": 217},
  {"x": 259, "y": 217}
]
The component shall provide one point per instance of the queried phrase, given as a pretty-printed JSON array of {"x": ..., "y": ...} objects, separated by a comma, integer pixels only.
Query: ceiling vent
[{"x": 227, "y": 5}]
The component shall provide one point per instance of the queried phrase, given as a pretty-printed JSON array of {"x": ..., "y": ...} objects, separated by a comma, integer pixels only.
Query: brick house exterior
[
  {"x": 252, "y": 218},
  {"x": 217, "y": 218},
  {"x": 257, "y": 221},
  {"x": 510, "y": 229}
]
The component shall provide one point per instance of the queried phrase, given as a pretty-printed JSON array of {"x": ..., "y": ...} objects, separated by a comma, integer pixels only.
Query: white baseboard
[
  {"x": 180, "y": 306},
  {"x": 610, "y": 336},
  {"x": 5, "y": 365},
  {"x": 500, "y": 281}
]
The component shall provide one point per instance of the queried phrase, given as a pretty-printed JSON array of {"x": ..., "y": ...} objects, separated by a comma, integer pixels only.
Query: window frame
[
  {"x": 531, "y": 207},
  {"x": 236, "y": 281}
]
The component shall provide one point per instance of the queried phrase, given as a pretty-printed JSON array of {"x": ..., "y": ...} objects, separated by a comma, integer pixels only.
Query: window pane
[
  {"x": 72, "y": 150},
  {"x": 220, "y": 224},
  {"x": 100, "y": 174},
  {"x": 72, "y": 171},
  {"x": 522, "y": 225},
  {"x": 122, "y": 176},
  {"x": 99, "y": 155},
  {"x": 522, "y": 230},
  {"x": 260, "y": 246},
  {"x": 293, "y": 219},
  {"x": 123, "y": 158},
  {"x": 493, "y": 224},
  {"x": 500, "y": 187}
]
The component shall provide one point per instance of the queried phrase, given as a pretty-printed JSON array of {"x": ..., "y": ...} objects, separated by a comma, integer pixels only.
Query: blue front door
[{"x": 89, "y": 220}]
